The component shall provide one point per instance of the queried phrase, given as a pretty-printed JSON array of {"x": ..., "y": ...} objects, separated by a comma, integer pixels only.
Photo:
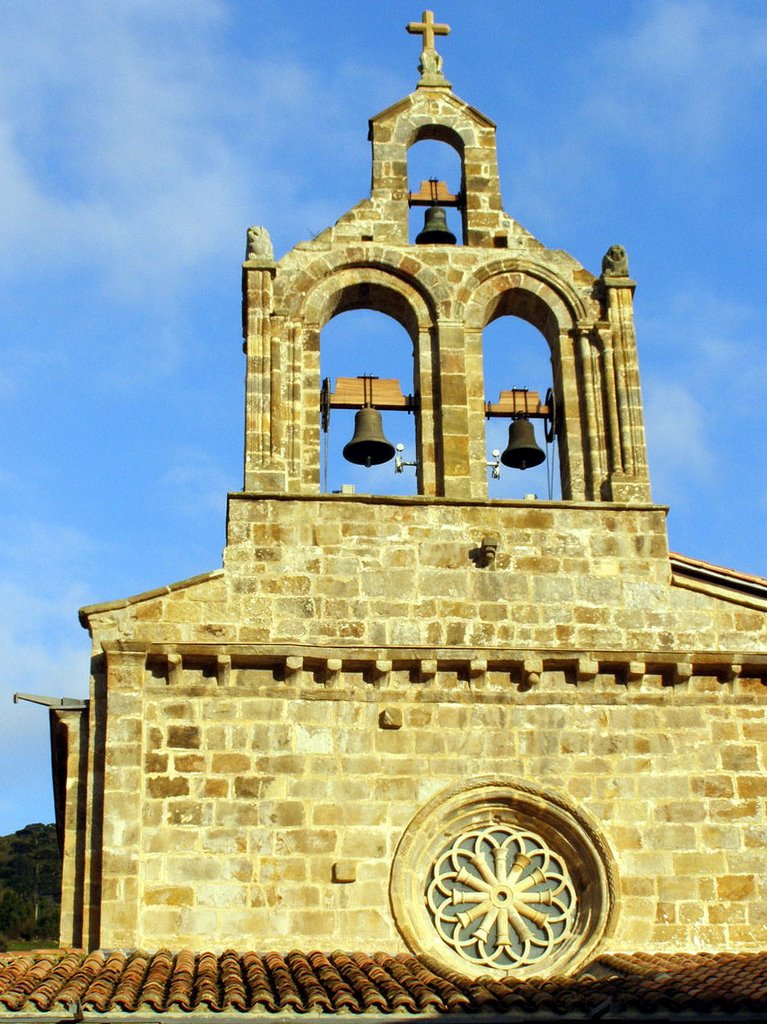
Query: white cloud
[
  {"x": 682, "y": 78},
  {"x": 679, "y": 441},
  {"x": 130, "y": 139},
  {"x": 673, "y": 92}
]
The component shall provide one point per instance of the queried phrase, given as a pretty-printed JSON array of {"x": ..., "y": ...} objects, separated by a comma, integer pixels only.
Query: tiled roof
[
  {"x": 66, "y": 984},
  {"x": 718, "y": 575}
]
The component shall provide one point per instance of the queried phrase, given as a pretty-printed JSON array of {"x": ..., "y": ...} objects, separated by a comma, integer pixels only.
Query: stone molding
[{"x": 310, "y": 668}]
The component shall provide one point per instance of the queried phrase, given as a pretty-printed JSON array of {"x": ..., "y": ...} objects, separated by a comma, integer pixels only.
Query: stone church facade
[{"x": 507, "y": 734}]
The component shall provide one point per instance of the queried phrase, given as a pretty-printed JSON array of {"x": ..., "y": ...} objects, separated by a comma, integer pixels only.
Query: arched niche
[
  {"x": 367, "y": 341},
  {"x": 516, "y": 355},
  {"x": 440, "y": 116},
  {"x": 548, "y": 304},
  {"x": 436, "y": 152},
  {"x": 380, "y": 292}
]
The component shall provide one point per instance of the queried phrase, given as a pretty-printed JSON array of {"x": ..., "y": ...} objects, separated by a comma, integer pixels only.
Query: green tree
[{"x": 30, "y": 883}]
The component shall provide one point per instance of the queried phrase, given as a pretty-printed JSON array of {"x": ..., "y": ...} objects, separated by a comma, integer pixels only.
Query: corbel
[
  {"x": 427, "y": 670},
  {"x": 292, "y": 668},
  {"x": 380, "y": 672},
  {"x": 332, "y": 672},
  {"x": 223, "y": 669}
]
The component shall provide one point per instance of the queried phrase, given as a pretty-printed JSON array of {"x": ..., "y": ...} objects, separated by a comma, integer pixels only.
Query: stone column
[
  {"x": 426, "y": 440},
  {"x": 573, "y": 437},
  {"x": 477, "y": 421},
  {"x": 614, "y": 448},
  {"x": 261, "y": 473},
  {"x": 593, "y": 433},
  {"x": 121, "y": 841},
  {"x": 69, "y": 733},
  {"x": 301, "y": 397},
  {"x": 630, "y": 477},
  {"x": 452, "y": 414}
]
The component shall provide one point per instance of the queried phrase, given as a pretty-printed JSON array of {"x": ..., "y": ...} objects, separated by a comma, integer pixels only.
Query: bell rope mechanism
[
  {"x": 522, "y": 450},
  {"x": 368, "y": 445}
]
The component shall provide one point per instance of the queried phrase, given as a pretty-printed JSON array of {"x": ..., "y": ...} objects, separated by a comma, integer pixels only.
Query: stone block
[
  {"x": 163, "y": 786},
  {"x": 344, "y": 871},
  {"x": 184, "y": 736}
]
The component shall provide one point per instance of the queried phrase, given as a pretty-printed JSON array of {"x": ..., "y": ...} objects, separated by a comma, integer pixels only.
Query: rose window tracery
[
  {"x": 498, "y": 877},
  {"x": 500, "y": 897}
]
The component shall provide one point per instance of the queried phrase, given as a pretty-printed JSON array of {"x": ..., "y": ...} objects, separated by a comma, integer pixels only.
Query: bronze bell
[
  {"x": 522, "y": 451},
  {"x": 368, "y": 447},
  {"x": 435, "y": 229}
]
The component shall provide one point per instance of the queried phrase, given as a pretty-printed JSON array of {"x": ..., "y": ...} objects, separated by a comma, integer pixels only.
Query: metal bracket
[{"x": 51, "y": 702}]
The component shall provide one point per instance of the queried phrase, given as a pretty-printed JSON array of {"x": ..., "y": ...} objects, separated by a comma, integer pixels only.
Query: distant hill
[{"x": 30, "y": 886}]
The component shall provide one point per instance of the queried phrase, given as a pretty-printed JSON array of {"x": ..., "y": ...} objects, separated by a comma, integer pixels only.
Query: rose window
[
  {"x": 498, "y": 877},
  {"x": 500, "y": 897}
]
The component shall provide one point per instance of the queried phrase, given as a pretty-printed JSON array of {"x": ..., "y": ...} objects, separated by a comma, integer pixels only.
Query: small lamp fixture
[{"x": 399, "y": 462}]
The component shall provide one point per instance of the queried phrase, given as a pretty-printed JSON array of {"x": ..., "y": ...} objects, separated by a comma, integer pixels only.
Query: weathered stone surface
[{"x": 260, "y": 737}]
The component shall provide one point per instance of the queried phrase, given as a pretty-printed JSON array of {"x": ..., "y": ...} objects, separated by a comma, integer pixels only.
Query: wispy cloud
[
  {"x": 680, "y": 80},
  {"x": 703, "y": 412},
  {"x": 672, "y": 90},
  {"x": 196, "y": 483},
  {"x": 42, "y": 582}
]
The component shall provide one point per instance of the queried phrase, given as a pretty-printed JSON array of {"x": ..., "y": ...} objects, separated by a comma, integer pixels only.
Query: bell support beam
[
  {"x": 434, "y": 193},
  {"x": 353, "y": 393},
  {"x": 518, "y": 402}
]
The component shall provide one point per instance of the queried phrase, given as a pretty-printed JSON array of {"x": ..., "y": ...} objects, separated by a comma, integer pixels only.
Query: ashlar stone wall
[
  {"x": 261, "y": 737},
  {"x": 272, "y": 814}
]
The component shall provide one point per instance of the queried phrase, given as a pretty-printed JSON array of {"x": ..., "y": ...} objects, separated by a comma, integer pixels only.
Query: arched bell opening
[
  {"x": 521, "y": 402},
  {"x": 366, "y": 361},
  {"x": 435, "y": 188}
]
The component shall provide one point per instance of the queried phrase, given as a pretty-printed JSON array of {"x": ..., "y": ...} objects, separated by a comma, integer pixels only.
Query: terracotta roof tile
[{"x": 116, "y": 983}]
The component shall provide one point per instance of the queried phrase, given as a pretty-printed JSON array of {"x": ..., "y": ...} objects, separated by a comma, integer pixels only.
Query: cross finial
[
  {"x": 431, "y": 62},
  {"x": 428, "y": 29}
]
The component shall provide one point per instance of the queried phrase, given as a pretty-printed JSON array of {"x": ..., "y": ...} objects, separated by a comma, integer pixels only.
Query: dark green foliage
[{"x": 30, "y": 885}]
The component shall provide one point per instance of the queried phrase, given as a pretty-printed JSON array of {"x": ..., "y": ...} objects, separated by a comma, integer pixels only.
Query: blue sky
[{"x": 140, "y": 138}]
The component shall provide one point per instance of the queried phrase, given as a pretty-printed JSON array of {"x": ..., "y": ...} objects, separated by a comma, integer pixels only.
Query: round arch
[
  {"x": 406, "y": 293},
  {"x": 524, "y": 289},
  {"x": 521, "y": 288},
  {"x": 419, "y": 126},
  {"x": 410, "y": 294},
  {"x": 435, "y": 132}
]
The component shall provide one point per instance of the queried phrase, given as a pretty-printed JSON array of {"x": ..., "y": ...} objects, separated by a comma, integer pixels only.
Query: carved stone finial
[
  {"x": 259, "y": 245},
  {"x": 615, "y": 262},
  {"x": 430, "y": 66}
]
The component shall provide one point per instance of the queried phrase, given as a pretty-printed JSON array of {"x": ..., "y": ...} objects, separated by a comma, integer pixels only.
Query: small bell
[
  {"x": 435, "y": 229},
  {"x": 368, "y": 447},
  {"x": 522, "y": 451}
]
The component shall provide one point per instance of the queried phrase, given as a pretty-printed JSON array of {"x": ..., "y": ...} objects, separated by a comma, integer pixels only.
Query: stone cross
[{"x": 428, "y": 29}]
